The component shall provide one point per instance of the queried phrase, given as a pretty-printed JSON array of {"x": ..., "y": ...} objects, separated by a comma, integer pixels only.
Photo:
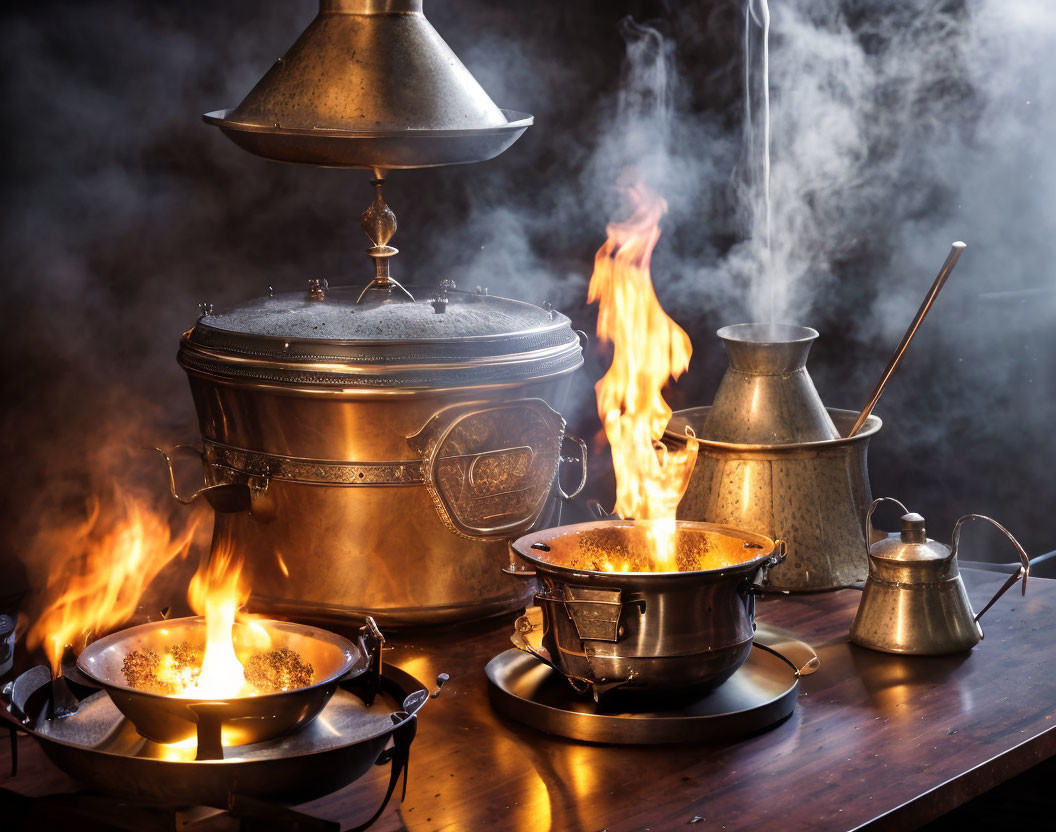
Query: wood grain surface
[{"x": 876, "y": 741}]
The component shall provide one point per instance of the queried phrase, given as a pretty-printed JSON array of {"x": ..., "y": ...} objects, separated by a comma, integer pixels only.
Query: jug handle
[
  {"x": 569, "y": 458},
  {"x": 1024, "y": 559},
  {"x": 870, "y": 532}
]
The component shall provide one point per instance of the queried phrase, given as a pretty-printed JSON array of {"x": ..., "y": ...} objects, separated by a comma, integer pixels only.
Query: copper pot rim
[
  {"x": 522, "y": 546},
  {"x": 352, "y": 655},
  {"x": 872, "y": 426}
]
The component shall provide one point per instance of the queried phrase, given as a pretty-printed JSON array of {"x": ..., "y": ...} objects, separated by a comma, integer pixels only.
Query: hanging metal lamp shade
[{"x": 370, "y": 84}]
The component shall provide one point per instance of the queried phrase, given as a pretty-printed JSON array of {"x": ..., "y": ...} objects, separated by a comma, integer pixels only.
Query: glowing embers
[{"x": 648, "y": 350}]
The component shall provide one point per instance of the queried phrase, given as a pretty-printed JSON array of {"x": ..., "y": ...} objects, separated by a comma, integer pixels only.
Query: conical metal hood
[
  {"x": 766, "y": 396},
  {"x": 371, "y": 84}
]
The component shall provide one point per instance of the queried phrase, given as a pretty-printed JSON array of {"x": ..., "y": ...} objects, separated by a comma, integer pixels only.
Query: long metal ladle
[{"x": 896, "y": 358}]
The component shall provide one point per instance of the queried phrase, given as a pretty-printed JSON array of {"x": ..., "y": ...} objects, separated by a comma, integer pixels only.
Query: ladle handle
[
  {"x": 900, "y": 350},
  {"x": 870, "y": 532},
  {"x": 1024, "y": 559}
]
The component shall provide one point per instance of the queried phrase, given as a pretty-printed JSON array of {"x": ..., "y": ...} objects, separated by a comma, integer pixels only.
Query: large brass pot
[{"x": 374, "y": 456}]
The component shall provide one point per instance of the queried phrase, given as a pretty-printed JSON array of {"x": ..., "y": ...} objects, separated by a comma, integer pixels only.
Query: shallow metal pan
[
  {"x": 380, "y": 150},
  {"x": 236, "y": 721}
]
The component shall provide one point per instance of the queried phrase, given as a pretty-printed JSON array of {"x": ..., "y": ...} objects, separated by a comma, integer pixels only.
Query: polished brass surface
[
  {"x": 766, "y": 396},
  {"x": 379, "y": 224},
  {"x": 370, "y": 85},
  {"x": 646, "y": 631},
  {"x": 900, "y": 350},
  {"x": 321, "y": 545},
  {"x": 914, "y": 600},
  {"x": 813, "y": 495},
  {"x": 325, "y": 420},
  {"x": 236, "y": 720}
]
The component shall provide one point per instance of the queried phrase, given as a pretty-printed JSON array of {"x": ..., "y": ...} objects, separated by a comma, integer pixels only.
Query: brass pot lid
[
  {"x": 370, "y": 84},
  {"x": 447, "y": 339}
]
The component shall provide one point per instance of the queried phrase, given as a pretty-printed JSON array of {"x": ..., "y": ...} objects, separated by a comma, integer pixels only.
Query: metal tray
[
  {"x": 99, "y": 747},
  {"x": 759, "y": 695},
  {"x": 379, "y": 150}
]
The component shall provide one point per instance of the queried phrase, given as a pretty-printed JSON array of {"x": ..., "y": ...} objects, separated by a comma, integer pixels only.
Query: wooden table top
[{"x": 876, "y": 740}]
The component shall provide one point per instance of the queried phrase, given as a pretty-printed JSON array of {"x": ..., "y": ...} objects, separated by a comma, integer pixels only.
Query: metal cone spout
[
  {"x": 767, "y": 348},
  {"x": 767, "y": 396}
]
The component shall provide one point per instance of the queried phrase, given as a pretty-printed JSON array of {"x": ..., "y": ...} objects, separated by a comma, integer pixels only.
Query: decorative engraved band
[{"x": 317, "y": 471}]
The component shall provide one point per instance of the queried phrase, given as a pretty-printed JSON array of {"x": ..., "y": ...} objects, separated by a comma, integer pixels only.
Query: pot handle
[
  {"x": 756, "y": 586},
  {"x": 530, "y": 622},
  {"x": 1024, "y": 559},
  {"x": 566, "y": 458},
  {"x": 225, "y": 497},
  {"x": 871, "y": 534}
]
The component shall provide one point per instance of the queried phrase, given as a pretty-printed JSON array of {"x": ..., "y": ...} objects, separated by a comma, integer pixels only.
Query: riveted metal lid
[
  {"x": 911, "y": 544},
  {"x": 324, "y": 338}
]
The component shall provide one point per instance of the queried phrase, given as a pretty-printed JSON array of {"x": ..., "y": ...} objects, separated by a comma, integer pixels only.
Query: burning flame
[
  {"x": 217, "y": 591},
  {"x": 101, "y": 570},
  {"x": 648, "y": 349}
]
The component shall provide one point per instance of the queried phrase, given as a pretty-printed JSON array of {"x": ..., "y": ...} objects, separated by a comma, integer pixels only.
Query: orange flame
[
  {"x": 217, "y": 591},
  {"x": 648, "y": 349},
  {"x": 100, "y": 571}
]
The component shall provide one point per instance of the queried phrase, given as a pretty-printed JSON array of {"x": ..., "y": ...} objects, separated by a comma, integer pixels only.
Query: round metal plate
[
  {"x": 758, "y": 696},
  {"x": 100, "y": 748},
  {"x": 385, "y": 150}
]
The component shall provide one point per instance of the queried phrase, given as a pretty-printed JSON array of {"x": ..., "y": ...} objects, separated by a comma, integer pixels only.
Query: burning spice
[
  {"x": 167, "y": 674},
  {"x": 278, "y": 670},
  {"x": 176, "y": 672}
]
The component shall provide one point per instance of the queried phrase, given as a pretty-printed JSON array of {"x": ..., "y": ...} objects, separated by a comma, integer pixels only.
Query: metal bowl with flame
[
  {"x": 235, "y": 720},
  {"x": 641, "y": 630}
]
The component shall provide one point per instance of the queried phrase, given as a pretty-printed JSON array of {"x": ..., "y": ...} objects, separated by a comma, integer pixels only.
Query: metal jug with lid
[{"x": 914, "y": 600}]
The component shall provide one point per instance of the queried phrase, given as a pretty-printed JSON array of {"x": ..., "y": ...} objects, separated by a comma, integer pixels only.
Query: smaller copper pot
[{"x": 647, "y": 631}]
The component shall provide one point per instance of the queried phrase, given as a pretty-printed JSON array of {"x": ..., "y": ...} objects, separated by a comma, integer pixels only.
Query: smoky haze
[{"x": 895, "y": 130}]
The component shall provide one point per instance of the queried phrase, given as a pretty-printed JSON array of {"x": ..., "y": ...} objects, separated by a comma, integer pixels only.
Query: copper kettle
[{"x": 914, "y": 600}]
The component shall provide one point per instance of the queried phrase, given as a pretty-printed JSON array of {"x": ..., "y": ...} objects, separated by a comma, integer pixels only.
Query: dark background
[{"x": 122, "y": 211}]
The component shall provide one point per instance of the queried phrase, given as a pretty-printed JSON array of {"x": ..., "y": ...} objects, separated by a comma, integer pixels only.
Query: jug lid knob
[{"x": 913, "y": 528}]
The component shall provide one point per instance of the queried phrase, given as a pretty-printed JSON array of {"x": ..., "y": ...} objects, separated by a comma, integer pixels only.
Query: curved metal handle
[
  {"x": 172, "y": 474},
  {"x": 757, "y": 584},
  {"x": 527, "y": 624},
  {"x": 581, "y": 459},
  {"x": 870, "y": 532},
  {"x": 224, "y": 497},
  {"x": 1024, "y": 559},
  {"x": 598, "y": 512},
  {"x": 779, "y": 554},
  {"x": 384, "y": 284},
  {"x": 371, "y": 642}
]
